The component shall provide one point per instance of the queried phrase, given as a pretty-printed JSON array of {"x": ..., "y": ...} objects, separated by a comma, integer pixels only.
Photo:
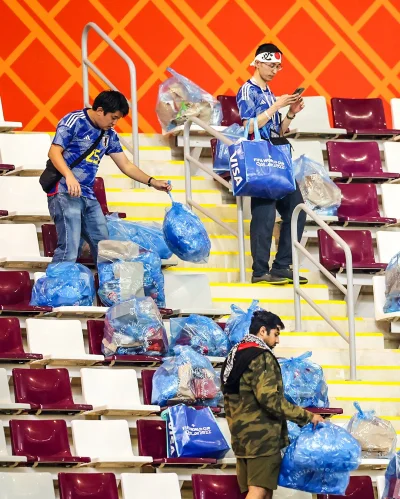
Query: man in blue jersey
[
  {"x": 255, "y": 100},
  {"x": 72, "y": 203}
]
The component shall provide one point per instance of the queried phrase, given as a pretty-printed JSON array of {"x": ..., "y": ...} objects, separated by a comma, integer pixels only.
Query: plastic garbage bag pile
[{"x": 238, "y": 324}]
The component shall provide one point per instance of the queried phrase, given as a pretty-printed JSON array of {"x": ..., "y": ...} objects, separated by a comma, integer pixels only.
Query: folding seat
[
  {"x": 87, "y": 486},
  {"x": 395, "y": 106},
  {"x": 95, "y": 331},
  {"x": 390, "y": 201},
  {"x": 311, "y": 148},
  {"x": 362, "y": 118},
  {"x": 332, "y": 256},
  {"x": 7, "y": 126},
  {"x": 154, "y": 486},
  {"x": 391, "y": 153},
  {"x": 11, "y": 347},
  {"x": 46, "y": 391},
  {"x": 43, "y": 442},
  {"x": 60, "y": 342},
  {"x": 107, "y": 443},
  {"x": 114, "y": 392},
  {"x": 15, "y": 294},
  {"x": 27, "y": 153},
  {"x": 23, "y": 485},
  {"x": 230, "y": 111},
  {"x": 216, "y": 487},
  {"x": 360, "y": 487},
  {"x": 388, "y": 243},
  {"x": 6, "y": 405},
  {"x": 7, "y": 459},
  {"x": 100, "y": 193},
  {"x": 357, "y": 160},
  {"x": 49, "y": 236},
  {"x": 24, "y": 199},
  {"x": 152, "y": 442}
]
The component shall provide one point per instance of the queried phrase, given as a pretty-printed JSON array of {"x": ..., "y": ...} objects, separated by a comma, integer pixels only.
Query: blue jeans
[{"x": 73, "y": 218}]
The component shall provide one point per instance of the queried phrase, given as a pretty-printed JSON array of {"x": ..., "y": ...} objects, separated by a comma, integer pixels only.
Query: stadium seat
[
  {"x": 360, "y": 487},
  {"x": 114, "y": 392},
  {"x": 100, "y": 193},
  {"x": 46, "y": 391},
  {"x": 230, "y": 111},
  {"x": 390, "y": 201},
  {"x": 357, "y": 160},
  {"x": 60, "y": 342},
  {"x": 107, "y": 443},
  {"x": 6, "y": 405},
  {"x": 24, "y": 199},
  {"x": 360, "y": 205},
  {"x": 95, "y": 331},
  {"x": 388, "y": 243},
  {"x": 332, "y": 256},
  {"x": 7, "y": 459},
  {"x": 379, "y": 287},
  {"x": 395, "y": 106},
  {"x": 15, "y": 294},
  {"x": 154, "y": 486},
  {"x": 7, "y": 126},
  {"x": 216, "y": 487},
  {"x": 391, "y": 153},
  {"x": 311, "y": 148},
  {"x": 24, "y": 485},
  {"x": 87, "y": 486},
  {"x": 49, "y": 236},
  {"x": 11, "y": 347},
  {"x": 230, "y": 458},
  {"x": 362, "y": 118},
  {"x": 19, "y": 247},
  {"x": 152, "y": 442},
  {"x": 26, "y": 152},
  {"x": 43, "y": 442},
  {"x": 380, "y": 486}
]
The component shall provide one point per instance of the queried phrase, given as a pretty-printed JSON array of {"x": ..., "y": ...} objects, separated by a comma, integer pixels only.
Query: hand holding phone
[{"x": 299, "y": 91}]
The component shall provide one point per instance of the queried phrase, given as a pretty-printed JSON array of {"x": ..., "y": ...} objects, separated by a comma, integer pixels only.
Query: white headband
[{"x": 267, "y": 57}]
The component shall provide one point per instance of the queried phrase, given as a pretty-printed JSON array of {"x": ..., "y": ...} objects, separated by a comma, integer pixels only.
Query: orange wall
[{"x": 335, "y": 48}]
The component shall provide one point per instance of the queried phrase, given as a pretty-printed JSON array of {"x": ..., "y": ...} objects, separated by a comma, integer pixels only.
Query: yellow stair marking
[
  {"x": 364, "y": 368},
  {"x": 260, "y": 285},
  {"x": 374, "y": 383},
  {"x": 313, "y": 318},
  {"x": 328, "y": 333},
  {"x": 128, "y": 203},
  {"x": 368, "y": 399},
  {"x": 390, "y": 418},
  {"x": 161, "y": 177},
  {"x": 180, "y": 191},
  {"x": 249, "y": 300}
]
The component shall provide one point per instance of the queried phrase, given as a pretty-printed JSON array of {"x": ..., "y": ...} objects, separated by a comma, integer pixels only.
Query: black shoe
[
  {"x": 287, "y": 274},
  {"x": 270, "y": 279}
]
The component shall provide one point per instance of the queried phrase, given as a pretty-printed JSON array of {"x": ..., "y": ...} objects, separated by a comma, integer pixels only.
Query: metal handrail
[
  {"x": 188, "y": 158},
  {"x": 349, "y": 292},
  {"x": 86, "y": 64}
]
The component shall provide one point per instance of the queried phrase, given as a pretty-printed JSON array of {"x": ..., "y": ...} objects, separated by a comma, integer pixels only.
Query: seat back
[
  {"x": 388, "y": 243},
  {"x": 5, "y": 397},
  {"x": 332, "y": 256},
  {"x": 104, "y": 440},
  {"x": 358, "y": 114},
  {"x": 216, "y": 487},
  {"x": 390, "y": 200},
  {"x": 57, "y": 338},
  {"x": 311, "y": 148},
  {"x": 95, "y": 330},
  {"x": 354, "y": 157},
  {"x": 314, "y": 116},
  {"x": 49, "y": 237},
  {"x": 100, "y": 193},
  {"x": 3, "y": 446},
  {"x": 19, "y": 240},
  {"x": 117, "y": 388},
  {"x": 230, "y": 111},
  {"x": 36, "y": 438},
  {"x": 87, "y": 486},
  {"x": 147, "y": 384},
  {"x": 15, "y": 287},
  {"x": 165, "y": 485},
  {"x": 395, "y": 106},
  {"x": 25, "y": 149},
  {"x": 180, "y": 289},
  {"x": 391, "y": 152},
  {"x": 42, "y": 386},
  {"x": 24, "y": 485},
  {"x": 358, "y": 200},
  {"x": 10, "y": 336},
  {"x": 360, "y": 487},
  {"x": 151, "y": 438},
  {"x": 23, "y": 194}
]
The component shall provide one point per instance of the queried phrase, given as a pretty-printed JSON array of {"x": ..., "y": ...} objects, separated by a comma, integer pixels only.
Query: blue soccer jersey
[
  {"x": 252, "y": 100},
  {"x": 75, "y": 134}
]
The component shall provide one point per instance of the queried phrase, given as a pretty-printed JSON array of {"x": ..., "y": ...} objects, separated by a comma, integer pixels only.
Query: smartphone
[{"x": 299, "y": 91}]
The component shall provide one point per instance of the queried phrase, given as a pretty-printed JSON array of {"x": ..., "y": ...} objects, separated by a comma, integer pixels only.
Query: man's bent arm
[{"x": 57, "y": 158}]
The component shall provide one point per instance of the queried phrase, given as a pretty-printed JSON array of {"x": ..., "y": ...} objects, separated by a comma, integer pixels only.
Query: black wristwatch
[
  {"x": 149, "y": 181},
  {"x": 290, "y": 117}
]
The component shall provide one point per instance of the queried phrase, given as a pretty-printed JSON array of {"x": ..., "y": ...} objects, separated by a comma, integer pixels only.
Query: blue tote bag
[{"x": 261, "y": 169}]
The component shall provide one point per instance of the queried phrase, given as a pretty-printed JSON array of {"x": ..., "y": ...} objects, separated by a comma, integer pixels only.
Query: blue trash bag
[
  {"x": 187, "y": 377},
  {"x": 148, "y": 236},
  {"x": 293, "y": 430},
  {"x": 185, "y": 234},
  {"x": 392, "y": 478},
  {"x": 304, "y": 382},
  {"x": 238, "y": 324},
  {"x": 221, "y": 158},
  {"x": 193, "y": 433},
  {"x": 377, "y": 437},
  {"x": 65, "y": 284},
  {"x": 134, "y": 327},
  {"x": 318, "y": 190},
  {"x": 392, "y": 280},
  {"x": 200, "y": 333}
]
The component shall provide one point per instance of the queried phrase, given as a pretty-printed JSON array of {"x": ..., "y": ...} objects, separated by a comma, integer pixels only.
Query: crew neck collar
[{"x": 88, "y": 118}]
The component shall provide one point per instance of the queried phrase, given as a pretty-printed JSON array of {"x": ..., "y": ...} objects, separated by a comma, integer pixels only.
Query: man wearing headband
[{"x": 255, "y": 100}]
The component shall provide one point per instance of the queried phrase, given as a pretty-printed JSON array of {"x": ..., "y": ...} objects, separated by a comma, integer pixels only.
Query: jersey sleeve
[
  {"x": 114, "y": 144},
  {"x": 246, "y": 102},
  {"x": 64, "y": 133}
]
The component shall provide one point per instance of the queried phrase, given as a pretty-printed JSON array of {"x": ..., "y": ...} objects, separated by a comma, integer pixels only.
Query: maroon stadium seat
[
  {"x": 49, "y": 236},
  {"x": 87, "y": 486},
  {"x": 11, "y": 347},
  {"x": 100, "y": 193},
  {"x": 360, "y": 487},
  {"x": 230, "y": 111},
  {"x": 3, "y": 213},
  {"x": 15, "y": 293},
  {"x": 4, "y": 168},
  {"x": 216, "y": 487}
]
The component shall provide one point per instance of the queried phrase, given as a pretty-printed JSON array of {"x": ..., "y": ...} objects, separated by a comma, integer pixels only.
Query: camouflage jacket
[{"x": 257, "y": 415}]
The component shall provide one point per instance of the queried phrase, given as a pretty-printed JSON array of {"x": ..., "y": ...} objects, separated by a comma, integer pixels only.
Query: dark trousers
[{"x": 261, "y": 229}]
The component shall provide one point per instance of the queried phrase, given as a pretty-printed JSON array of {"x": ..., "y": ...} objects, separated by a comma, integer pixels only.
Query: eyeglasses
[{"x": 273, "y": 67}]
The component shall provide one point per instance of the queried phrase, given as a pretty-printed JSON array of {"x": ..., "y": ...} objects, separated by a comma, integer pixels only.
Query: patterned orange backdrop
[{"x": 335, "y": 48}]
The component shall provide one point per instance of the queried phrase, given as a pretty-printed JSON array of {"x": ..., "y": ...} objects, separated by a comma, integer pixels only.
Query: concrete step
[
  {"x": 322, "y": 339},
  {"x": 149, "y": 195},
  {"x": 318, "y": 324},
  {"x": 388, "y": 406},
  {"x": 120, "y": 181},
  {"x": 361, "y": 389},
  {"x": 265, "y": 291},
  {"x": 165, "y": 167}
]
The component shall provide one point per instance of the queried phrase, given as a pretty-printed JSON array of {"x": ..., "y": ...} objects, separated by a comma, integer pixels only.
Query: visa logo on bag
[{"x": 235, "y": 169}]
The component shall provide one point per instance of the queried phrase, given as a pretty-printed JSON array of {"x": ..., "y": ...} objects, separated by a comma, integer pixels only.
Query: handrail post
[
  {"x": 186, "y": 154},
  {"x": 241, "y": 243},
  {"x": 350, "y": 313},
  {"x": 296, "y": 270}
]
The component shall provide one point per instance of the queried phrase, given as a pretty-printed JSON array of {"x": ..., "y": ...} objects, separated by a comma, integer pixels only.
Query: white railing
[
  {"x": 348, "y": 292},
  {"x": 189, "y": 159}
]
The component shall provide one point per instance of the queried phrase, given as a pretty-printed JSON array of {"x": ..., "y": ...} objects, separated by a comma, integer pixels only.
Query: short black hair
[
  {"x": 267, "y": 319},
  {"x": 267, "y": 47},
  {"x": 111, "y": 101}
]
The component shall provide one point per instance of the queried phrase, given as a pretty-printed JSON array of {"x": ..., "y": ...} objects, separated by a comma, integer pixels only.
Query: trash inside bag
[
  {"x": 392, "y": 478},
  {"x": 392, "y": 280},
  {"x": 238, "y": 324},
  {"x": 200, "y": 333},
  {"x": 134, "y": 327},
  {"x": 121, "y": 276},
  {"x": 188, "y": 377},
  {"x": 304, "y": 382},
  {"x": 185, "y": 234},
  {"x": 149, "y": 236},
  {"x": 221, "y": 157},
  {"x": 377, "y": 437},
  {"x": 65, "y": 284},
  {"x": 179, "y": 99}
]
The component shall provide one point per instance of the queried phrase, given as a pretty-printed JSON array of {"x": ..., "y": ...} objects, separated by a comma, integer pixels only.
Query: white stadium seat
[
  {"x": 388, "y": 243},
  {"x": 5, "y": 458},
  {"x": 136, "y": 486},
  {"x": 395, "y": 105},
  {"x": 28, "y": 152},
  {"x": 391, "y": 151},
  {"x": 107, "y": 443},
  {"x": 23, "y": 198},
  {"x": 7, "y": 126},
  {"x": 390, "y": 200},
  {"x": 26, "y": 485},
  {"x": 311, "y": 148},
  {"x": 6, "y": 405}
]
